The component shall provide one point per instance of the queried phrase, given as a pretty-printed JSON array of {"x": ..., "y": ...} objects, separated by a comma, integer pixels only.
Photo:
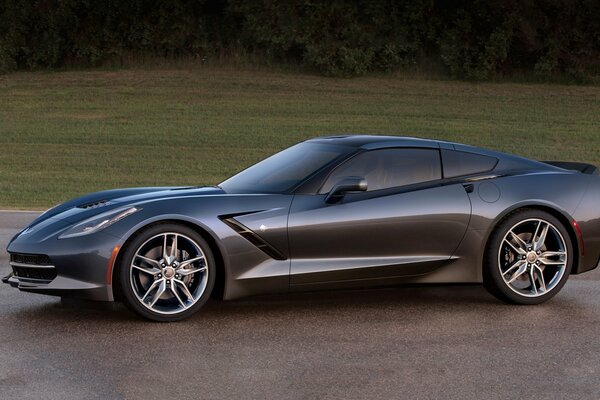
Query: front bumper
[
  {"x": 78, "y": 267},
  {"x": 61, "y": 286}
]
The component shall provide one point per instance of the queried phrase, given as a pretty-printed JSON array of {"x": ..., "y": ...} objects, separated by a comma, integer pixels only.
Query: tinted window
[
  {"x": 284, "y": 170},
  {"x": 389, "y": 168},
  {"x": 459, "y": 163}
]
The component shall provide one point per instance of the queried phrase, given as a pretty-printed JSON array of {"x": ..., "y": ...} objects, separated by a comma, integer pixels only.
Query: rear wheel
[
  {"x": 528, "y": 259},
  {"x": 167, "y": 272}
]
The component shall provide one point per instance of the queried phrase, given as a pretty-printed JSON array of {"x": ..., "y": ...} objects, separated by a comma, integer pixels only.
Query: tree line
[{"x": 468, "y": 39}]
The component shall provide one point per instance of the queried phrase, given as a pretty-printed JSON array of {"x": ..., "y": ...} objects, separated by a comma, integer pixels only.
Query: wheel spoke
[
  {"x": 165, "y": 255},
  {"x": 532, "y": 280},
  {"x": 545, "y": 261},
  {"x": 149, "y": 260},
  {"x": 540, "y": 277},
  {"x": 544, "y": 258},
  {"x": 149, "y": 271},
  {"x": 520, "y": 271},
  {"x": 161, "y": 289},
  {"x": 553, "y": 254},
  {"x": 537, "y": 230},
  {"x": 184, "y": 288},
  {"x": 174, "y": 248},
  {"x": 539, "y": 243},
  {"x": 190, "y": 261},
  {"x": 517, "y": 250},
  {"x": 516, "y": 264},
  {"x": 174, "y": 290},
  {"x": 522, "y": 245},
  {"x": 191, "y": 271},
  {"x": 150, "y": 289}
]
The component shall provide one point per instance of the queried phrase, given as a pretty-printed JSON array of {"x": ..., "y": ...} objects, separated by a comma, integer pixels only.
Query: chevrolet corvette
[{"x": 330, "y": 212}]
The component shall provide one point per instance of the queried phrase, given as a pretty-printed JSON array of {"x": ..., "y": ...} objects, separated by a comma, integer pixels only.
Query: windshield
[{"x": 283, "y": 171}]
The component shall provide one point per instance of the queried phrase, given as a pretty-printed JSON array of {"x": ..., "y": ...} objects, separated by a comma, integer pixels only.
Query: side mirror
[{"x": 350, "y": 184}]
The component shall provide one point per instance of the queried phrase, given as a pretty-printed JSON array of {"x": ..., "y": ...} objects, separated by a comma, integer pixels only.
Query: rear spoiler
[{"x": 584, "y": 168}]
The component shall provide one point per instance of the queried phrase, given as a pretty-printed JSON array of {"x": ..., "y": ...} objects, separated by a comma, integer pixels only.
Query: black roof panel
[{"x": 375, "y": 141}]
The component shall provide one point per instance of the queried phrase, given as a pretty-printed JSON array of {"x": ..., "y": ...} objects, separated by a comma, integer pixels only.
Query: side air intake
[{"x": 253, "y": 238}]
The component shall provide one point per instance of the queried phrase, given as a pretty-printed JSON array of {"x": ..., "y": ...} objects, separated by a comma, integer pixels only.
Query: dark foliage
[{"x": 475, "y": 39}]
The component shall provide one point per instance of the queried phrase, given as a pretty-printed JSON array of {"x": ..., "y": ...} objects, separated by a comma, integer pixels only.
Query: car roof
[
  {"x": 369, "y": 142},
  {"x": 376, "y": 141}
]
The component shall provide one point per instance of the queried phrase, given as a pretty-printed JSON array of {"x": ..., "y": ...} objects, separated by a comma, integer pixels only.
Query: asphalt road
[{"x": 402, "y": 343}]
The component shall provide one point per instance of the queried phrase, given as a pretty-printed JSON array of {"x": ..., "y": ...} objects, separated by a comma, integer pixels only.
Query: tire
[
  {"x": 524, "y": 265},
  {"x": 163, "y": 285}
]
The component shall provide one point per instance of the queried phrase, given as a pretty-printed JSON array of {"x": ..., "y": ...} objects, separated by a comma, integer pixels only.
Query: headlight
[{"x": 98, "y": 222}]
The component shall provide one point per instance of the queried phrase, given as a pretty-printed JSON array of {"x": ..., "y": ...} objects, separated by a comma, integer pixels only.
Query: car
[{"x": 331, "y": 212}]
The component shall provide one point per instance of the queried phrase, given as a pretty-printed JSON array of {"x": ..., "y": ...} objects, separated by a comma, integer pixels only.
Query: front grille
[
  {"x": 33, "y": 259},
  {"x": 43, "y": 274},
  {"x": 37, "y": 268}
]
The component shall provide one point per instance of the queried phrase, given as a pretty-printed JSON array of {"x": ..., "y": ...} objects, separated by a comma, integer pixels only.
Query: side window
[
  {"x": 387, "y": 168},
  {"x": 459, "y": 163}
]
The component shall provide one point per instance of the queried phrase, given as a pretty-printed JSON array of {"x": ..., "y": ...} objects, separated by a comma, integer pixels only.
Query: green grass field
[{"x": 67, "y": 133}]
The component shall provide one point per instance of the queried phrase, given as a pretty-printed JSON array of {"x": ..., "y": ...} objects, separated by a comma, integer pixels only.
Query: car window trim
[
  {"x": 352, "y": 197},
  {"x": 392, "y": 191}
]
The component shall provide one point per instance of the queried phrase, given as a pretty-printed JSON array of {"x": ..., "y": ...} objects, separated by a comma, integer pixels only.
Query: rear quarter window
[{"x": 460, "y": 163}]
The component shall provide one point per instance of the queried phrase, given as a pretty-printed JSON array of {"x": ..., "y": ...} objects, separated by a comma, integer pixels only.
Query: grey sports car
[{"x": 332, "y": 212}]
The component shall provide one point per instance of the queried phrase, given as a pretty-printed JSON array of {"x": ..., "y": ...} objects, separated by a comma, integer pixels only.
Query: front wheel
[
  {"x": 167, "y": 272},
  {"x": 528, "y": 258}
]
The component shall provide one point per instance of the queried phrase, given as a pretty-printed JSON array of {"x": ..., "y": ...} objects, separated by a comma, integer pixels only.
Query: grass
[{"x": 67, "y": 133}]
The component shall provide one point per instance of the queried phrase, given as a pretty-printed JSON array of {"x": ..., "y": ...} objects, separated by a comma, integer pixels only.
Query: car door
[{"x": 408, "y": 221}]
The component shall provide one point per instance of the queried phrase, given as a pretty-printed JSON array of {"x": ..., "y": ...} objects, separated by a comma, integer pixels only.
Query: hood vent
[{"x": 94, "y": 204}]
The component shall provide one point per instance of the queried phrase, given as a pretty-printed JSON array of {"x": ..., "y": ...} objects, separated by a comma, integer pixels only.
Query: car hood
[{"x": 95, "y": 203}]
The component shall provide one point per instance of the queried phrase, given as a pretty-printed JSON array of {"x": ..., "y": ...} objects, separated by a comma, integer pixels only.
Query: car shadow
[{"x": 446, "y": 296}]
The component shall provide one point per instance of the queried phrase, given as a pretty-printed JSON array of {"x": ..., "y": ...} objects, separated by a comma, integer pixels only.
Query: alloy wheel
[
  {"x": 533, "y": 257},
  {"x": 169, "y": 273}
]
